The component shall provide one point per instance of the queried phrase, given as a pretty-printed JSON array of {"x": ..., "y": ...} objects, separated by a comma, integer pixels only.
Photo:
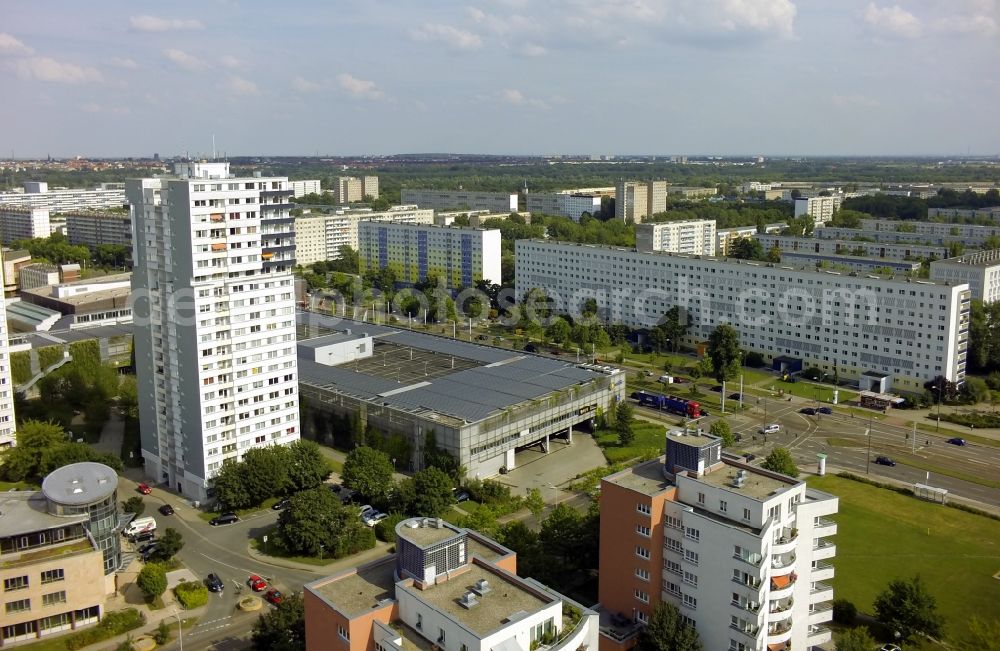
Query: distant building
[
  {"x": 636, "y": 200},
  {"x": 942, "y": 233},
  {"x": 991, "y": 213},
  {"x": 457, "y": 255},
  {"x": 692, "y": 192},
  {"x": 7, "y": 422},
  {"x": 859, "y": 264},
  {"x": 821, "y": 209},
  {"x": 23, "y": 223},
  {"x": 879, "y": 250},
  {"x": 498, "y": 202},
  {"x": 743, "y": 553},
  {"x": 570, "y": 204},
  {"x": 319, "y": 236},
  {"x": 13, "y": 262},
  {"x": 93, "y": 228},
  {"x": 696, "y": 236},
  {"x": 724, "y": 237},
  {"x": 38, "y": 195},
  {"x": 302, "y": 188},
  {"x": 444, "y": 588},
  {"x": 350, "y": 189},
  {"x": 981, "y": 270},
  {"x": 98, "y": 301},
  {"x": 39, "y": 274}
]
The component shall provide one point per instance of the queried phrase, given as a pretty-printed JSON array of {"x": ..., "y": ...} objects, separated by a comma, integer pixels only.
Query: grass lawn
[
  {"x": 883, "y": 535},
  {"x": 336, "y": 466},
  {"x": 649, "y": 442},
  {"x": 835, "y": 442},
  {"x": 963, "y": 432},
  {"x": 268, "y": 503},
  {"x": 17, "y": 486}
]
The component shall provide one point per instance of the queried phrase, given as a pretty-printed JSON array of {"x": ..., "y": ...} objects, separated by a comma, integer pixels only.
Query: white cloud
[
  {"x": 183, "y": 59},
  {"x": 240, "y": 86},
  {"x": 359, "y": 88},
  {"x": 893, "y": 20},
  {"x": 128, "y": 64},
  {"x": 47, "y": 69},
  {"x": 10, "y": 45},
  {"x": 533, "y": 50},
  {"x": 230, "y": 61},
  {"x": 158, "y": 24},
  {"x": 976, "y": 25},
  {"x": 453, "y": 37},
  {"x": 305, "y": 86},
  {"x": 517, "y": 98}
]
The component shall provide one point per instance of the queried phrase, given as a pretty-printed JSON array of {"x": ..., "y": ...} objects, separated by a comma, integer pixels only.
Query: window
[
  {"x": 642, "y": 574},
  {"x": 691, "y": 556},
  {"x": 642, "y": 596},
  {"x": 690, "y": 601},
  {"x": 723, "y": 506},
  {"x": 18, "y": 606},
  {"x": 701, "y": 498},
  {"x": 54, "y": 598},
  {"x": 420, "y": 621},
  {"x": 51, "y": 576},
  {"x": 343, "y": 632},
  {"x": 671, "y": 587},
  {"x": 672, "y": 521},
  {"x": 691, "y": 579},
  {"x": 642, "y": 530},
  {"x": 15, "y": 583},
  {"x": 642, "y": 508},
  {"x": 642, "y": 552},
  {"x": 440, "y": 636},
  {"x": 692, "y": 533},
  {"x": 642, "y": 617},
  {"x": 746, "y": 514}
]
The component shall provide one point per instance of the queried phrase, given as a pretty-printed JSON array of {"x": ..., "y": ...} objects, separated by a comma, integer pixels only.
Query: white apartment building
[
  {"x": 838, "y": 322},
  {"x": 459, "y": 256},
  {"x": 821, "y": 209},
  {"x": 992, "y": 213},
  {"x": 23, "y": 223},
  {"x": 726, "y": 236},
  {"x": 755, "y": 186},
  {"x": 743, "y": 553},
  {"x": 302, "y": 188},
  {"x": 319, "y": 236},
  {"x": 349, "y": 189},
  {"x": 503, "y": 202},
  {"x": 570, "y": 204},
  {"x": 93, "y": 228},
  {"x": 696, "y": 237},
  {"x": 881, "y": 250},
  {"x": 980, "y": 270},
  {"x": 933, "y": 232},
  {"x": 214, "y": 319},
  {"x": 38, "y": 195},
  {"x": 638, "y": 199},
  {"x": 7, "y": 425}
]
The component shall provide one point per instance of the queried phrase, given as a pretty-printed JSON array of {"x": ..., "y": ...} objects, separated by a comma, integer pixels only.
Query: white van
[
  {"x": 773, "y": 428},
  {"x": 667, "y": 379},
  {"x": 139, "y": 525}
]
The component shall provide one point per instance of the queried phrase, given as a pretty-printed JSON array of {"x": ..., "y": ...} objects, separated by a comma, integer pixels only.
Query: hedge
[
  {"x": 386, "y": 529},
  {"x": 975, "y": 419},
  {"x": 49, "y": 355},
  {"x": 20, "y": 366},
  {"x": 112, "y": 625},
  {"x": 191, "y": 594}
]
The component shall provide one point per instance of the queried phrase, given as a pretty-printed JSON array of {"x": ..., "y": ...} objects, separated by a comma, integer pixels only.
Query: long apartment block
[
  {"x": 319, "y": 236},
  {"x": 93, "y": 228},
  {"x": 459, "y": 256},
  {"x": 215, "y": 320},
  {"x": 572, "y": 204},
  {"x": 500, "y": 202},
  {"x": 849, "y": 324},
  {"x": 696, "y": 237},
  {"x": 23, "y": 223},
  {"x": 38, "y": 195},
  {"x": 846, "y": 246},
  {"x": 743, "y": 553},
  {"x": 933, "y": 232}
]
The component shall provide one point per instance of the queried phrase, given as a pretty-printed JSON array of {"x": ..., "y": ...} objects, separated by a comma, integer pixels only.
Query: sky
[{"x": 330, "y": 77}]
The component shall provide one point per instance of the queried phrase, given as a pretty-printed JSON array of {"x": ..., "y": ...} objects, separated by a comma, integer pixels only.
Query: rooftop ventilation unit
[
  {"x": 482, "y": 587},
  {"x": 740, "y": 478},
  {"x": 468, "y": 600}
]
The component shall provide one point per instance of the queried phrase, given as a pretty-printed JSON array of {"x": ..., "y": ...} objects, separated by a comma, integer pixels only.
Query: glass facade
[{"x": 103, "y": 526}]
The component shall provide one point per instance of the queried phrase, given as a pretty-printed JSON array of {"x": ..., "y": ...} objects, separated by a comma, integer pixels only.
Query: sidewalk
[
  {"x": 333, "y": 567},
  {"x": 131, "y": 597}
]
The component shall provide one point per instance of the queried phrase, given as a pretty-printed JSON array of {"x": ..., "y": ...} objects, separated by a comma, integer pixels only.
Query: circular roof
[{"x": 80, "y": 483}]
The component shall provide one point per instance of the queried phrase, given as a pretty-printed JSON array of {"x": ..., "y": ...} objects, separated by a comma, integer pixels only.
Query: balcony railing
[
  {"x": 752, "y": 559},
  {"x": 779, "y": 628},
  {"x": 752, "y": 583},
  {"x": 749, "y": 607},
  {"x": 750, "y": 631},
  {"x": 820, "y": 587}
]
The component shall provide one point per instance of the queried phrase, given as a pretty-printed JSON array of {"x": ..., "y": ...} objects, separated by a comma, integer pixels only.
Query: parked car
[
  {"x": 166, "y": 509},
  {"x": 281, "y": 504},
  {"x": 749, "y": 457},
  {"x": 150, "y": 551},
  {"x": 825, "y": 410},
  {"x": 145, "y": 548},
  {"x": 735, "y": 396},
  {"x": 144, "y": 489},
  {"x": 225, "y": 518},
  {"x": 717, "y": 388},
  {"x": 373, "y": 517},
  {"x": 956, "y": 441},
  {"x": 884, "y": 461},
  {"x": 256, "y": 583},
  {"x": 214, "y": 583},
  {"x": 461, "y": 495},
  {"x": 773, "y": 428},
  {"x": 366, "y": 509},
  {"x": 143, "y": 536},
  {"x": 808, "y": 411},
  {"x": 530, "y": 348},
  {"x": 273, "y": 596},
  {"x": 890, "y": 647}
]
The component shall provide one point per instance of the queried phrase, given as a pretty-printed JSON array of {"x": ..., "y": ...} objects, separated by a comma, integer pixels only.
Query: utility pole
[
  {"x": 868, "y": 460},
  {"x": 723, "y": 396}
]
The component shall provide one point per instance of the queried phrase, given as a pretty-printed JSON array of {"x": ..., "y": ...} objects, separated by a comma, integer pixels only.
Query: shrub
[
  {"x": 162, "y": 634},
  {"x": 191, "y": 594},
  {"x": 844, "y": 612},
  {"x": 152, "y": 580},
  {"x": 112, "y": 625},
  {"x": 49, "y": 355},
  {"x": 974, "y": 419},
  {"x": 386, "y": 529}
]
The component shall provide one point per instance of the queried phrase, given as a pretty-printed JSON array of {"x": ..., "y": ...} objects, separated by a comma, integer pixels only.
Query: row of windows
[
  {"x": 21, "y": 582},
  {"x": 23, "y": 605}
]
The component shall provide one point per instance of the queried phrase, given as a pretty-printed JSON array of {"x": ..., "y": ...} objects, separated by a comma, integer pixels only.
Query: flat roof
[
  {"x": 756, "y": 485},
  {"x": 508, "y": 600},
  {"x": 24, "y": 512},
  {"x": 80, "y": 483},
  {"x": 428, "y": 532},
  {"x": 418, "y": 372},
  {"x": 360, "y": 591},
  {"x": 646, "y": 478},
  {"x": 691, "y": 437}
]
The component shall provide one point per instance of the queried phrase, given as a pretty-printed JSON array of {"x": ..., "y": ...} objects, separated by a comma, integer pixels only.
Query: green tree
[
  {"x": 724, "y": 351},
  {"x": 282, "y": 628},
  {"x": 265, "y": 472},
  {"x": 307, "y": 467},
  {"x": 780, "y": 460},
  {"x": 431, "y": 492},
  {"x": 369, "y": 472},
  {"x": 667, "y": 631},
  {"x": 135, "y": 505},
  {"x": 907, "y": 607},
  {"x": 856, "y": 639},
  {"x": 315, "y": 523},
  {"x": 623, "y": 423},
  {"x": 984, "y": 633},
  {"x": 152, "y": 580},
  {"x": 557, "y": 330},
  {"x": 722, "y": 429},
  {"x": 169, "y": 544},
  {"x": 746, "y": 248},
  {"x": 230, "y": 488},
  {"x": 534, "y": 502},
  {"x": 673, "y": 326},
  {"x": 774, "y": 254}
]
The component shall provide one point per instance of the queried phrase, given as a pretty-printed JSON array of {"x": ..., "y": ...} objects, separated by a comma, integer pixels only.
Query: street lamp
[
  {"x": 180, "y": 627},
  {"x": 868, "y": 460}
]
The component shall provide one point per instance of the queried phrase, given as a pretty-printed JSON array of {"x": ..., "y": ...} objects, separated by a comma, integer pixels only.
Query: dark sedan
[{"x": 884, "y": 461}]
